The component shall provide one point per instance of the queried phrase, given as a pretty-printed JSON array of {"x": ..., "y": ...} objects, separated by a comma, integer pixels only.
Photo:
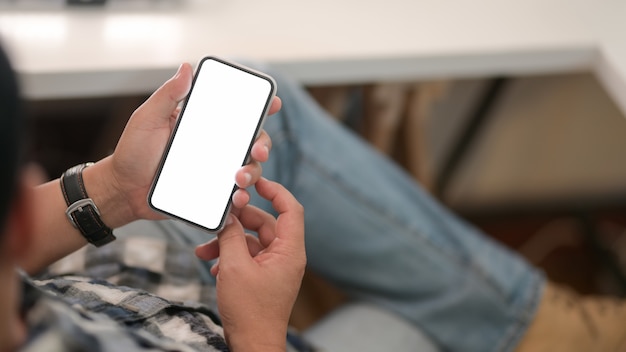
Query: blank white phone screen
[{"x": 215, "y": 131}]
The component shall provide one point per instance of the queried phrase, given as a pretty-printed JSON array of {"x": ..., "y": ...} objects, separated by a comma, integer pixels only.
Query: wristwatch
[{"x": 82, "y": 212}]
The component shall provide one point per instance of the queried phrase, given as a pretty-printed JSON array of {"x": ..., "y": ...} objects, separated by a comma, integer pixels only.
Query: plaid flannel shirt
[{"x": 136, "y": 294}]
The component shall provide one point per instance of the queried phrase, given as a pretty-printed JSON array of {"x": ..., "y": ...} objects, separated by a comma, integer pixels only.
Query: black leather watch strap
[{"x": 82, "y": 211}]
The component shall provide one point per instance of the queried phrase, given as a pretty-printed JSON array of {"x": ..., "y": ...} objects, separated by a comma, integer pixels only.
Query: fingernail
[
  {"x": 229, "y": 219},
  {"x": 247, "y": 178}
]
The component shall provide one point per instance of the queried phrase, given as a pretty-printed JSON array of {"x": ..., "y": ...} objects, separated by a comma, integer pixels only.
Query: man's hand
[
  {"x": 258, "y": 278},
  {"x": 129, "y": 172},
  {"x": 119, "y": 184}
]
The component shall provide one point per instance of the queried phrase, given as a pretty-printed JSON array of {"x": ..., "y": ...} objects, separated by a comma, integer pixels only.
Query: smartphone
[{"x": 219, "y": 121}]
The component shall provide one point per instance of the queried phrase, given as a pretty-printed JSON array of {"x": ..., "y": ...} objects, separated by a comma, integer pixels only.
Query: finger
[
  {"x": 209, "y": 250},
  {"x": 254, "y": 245},
  {"x": 259, "y": 221},
  {"x": 233, "y": 244},
  {"x": 276, "y": 105},
  {"x": 249, "y": 174},
  {"x": 290, "y": 211},
  {"x": 215, "y": 268},
  {"x": 174, "y": 117},
  {"x": 236, "y": 212},
  {"x": 254, "y": 248},
  {"x": 240, "y": 198},
  {"x": 165, "y": 100},
  {"x": 175, "y": 113},
  {"x": 282, "y": 200},
  {"x": 262, "y": 147}
]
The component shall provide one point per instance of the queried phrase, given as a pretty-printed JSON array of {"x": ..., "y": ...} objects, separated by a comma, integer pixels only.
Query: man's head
[
  {"x": 15, "y": 213},
  {"x": 10, "y": 135}
]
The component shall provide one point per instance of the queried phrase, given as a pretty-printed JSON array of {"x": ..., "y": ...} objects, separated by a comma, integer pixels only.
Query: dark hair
[{"x": 10, "y": 135}]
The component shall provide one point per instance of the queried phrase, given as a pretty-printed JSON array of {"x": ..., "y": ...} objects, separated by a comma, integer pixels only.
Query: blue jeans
[{"x": 375, "y": 234}]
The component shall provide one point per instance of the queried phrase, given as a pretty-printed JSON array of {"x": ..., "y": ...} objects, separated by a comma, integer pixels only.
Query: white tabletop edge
[{"x": 138, "y": 81}]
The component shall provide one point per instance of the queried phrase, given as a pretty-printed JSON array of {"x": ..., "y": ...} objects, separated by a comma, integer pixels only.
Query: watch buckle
[{"x": 78, "y": 206}]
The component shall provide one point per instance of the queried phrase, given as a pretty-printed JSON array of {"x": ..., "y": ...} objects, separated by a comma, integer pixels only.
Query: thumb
[
  {"x": 232, "y": 243},
  {"x": 165, "y": 99}
]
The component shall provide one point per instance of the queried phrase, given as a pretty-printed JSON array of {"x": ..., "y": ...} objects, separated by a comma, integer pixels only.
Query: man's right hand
[{"x": 258, "y": 279}]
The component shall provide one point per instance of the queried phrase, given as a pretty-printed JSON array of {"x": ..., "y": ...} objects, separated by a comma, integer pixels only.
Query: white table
[{"x": 74, "y": 53}]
